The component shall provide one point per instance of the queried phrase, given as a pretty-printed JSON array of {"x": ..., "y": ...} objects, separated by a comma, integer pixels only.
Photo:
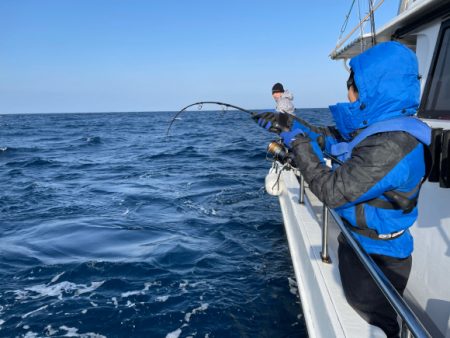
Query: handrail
[
  {"x": 391, "y": 294},
  {"x": 398, "y": 303},
  {"x": 403, "y": 6}
]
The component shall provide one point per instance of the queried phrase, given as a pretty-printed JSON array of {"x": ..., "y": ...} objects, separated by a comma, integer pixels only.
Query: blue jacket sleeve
[{"x": 324, "y": 136}]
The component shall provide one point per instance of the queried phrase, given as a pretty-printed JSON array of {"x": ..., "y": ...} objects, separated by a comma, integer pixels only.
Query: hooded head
[{"x": 387, "y": 80}]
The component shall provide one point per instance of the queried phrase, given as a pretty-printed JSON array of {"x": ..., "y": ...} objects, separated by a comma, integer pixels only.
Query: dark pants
[{"x": 364, "y": 295}]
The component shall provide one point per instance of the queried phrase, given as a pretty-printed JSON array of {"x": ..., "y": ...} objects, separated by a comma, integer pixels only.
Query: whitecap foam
[
  {"x": 187, "y": 318},
  {"x": 34, "y": 311},
  {"x": 174, "y": 334},
  {"x": 183, "y": 285},
  {"x": 20, "y": 294},
  {"x": 54, "y": 279},
  {"x": 149, "y": 284},
  {"x": 49, "y": 331},
  {"x": 57, "y": 290},
  {"x": 131, "y": 293},
  {"x": 202, "y": 307},
  {"x": 199, "y": 208},
  {"x": 140, "y": 292},
  {"x": 84, "y": 289},
  {"x": 162, "y": 299},
  {"x": 73, "y": 332},
  {"x": 293, "y": 288},
  {"x": 195, "y": 284}
]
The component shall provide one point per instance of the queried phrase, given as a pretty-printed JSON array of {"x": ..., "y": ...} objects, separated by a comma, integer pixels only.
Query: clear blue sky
[{"x": 148, "y": 55}]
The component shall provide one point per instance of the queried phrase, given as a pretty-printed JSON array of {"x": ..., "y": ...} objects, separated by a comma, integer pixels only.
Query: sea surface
[{"x": 109, "y": 228}]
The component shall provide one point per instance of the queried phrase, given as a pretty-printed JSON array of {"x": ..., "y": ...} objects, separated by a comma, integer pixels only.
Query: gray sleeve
[{"x": 371, "y": 161}]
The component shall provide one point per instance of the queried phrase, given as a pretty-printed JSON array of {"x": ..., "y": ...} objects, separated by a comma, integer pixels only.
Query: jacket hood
[
  {"x": 387, "y": 79},
  {"x": 288, "y": 95}
]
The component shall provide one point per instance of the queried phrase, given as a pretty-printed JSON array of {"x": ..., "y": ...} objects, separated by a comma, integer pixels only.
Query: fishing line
[{"x": 200, "y": 104}]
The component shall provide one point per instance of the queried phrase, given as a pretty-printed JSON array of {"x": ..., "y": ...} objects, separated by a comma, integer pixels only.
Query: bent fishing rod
[
  {"x": 280, "y": 151},
  {"x": 227, "y": 105}
]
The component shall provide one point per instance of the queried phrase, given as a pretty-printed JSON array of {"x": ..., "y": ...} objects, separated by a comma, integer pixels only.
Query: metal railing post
[
  {"x": 402, "y": 6},
  {"x": 324, "y": 253},
  {"x": 301, "y": 199},
  {"x": 405, "y": 332}
]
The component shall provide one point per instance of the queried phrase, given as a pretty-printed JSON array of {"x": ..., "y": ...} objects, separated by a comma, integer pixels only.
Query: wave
[
  {"x": 185, "y": 152},
  {"x": 15, "y": 150},
  {"x": 34, "y": 162},
  {"x": 58, "y": 290},
  {"x": 177, "y": 229},
  {"x": 92, "y": 140}
]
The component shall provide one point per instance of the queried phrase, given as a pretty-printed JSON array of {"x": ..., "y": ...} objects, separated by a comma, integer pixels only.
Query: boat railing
[
  {"x": 404, "y": 5},
  {"x": 411, "y": 325}
]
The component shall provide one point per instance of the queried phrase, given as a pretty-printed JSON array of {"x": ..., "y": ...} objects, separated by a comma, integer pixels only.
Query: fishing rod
[
  {"x": 280, "y": 152},
  {"x": 227, "y": 105}
]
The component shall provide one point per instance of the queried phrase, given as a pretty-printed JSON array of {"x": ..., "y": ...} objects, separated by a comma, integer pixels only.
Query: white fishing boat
[{"x": 312, "y": 229}]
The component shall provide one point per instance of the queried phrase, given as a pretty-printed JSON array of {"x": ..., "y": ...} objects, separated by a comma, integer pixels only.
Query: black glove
[
  {"x": 268, "y": 121},
  {"x": 285, "y": 121}
]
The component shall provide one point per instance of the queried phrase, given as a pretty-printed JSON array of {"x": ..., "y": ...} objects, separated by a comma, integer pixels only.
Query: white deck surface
[{"x": 326, "y": 310}]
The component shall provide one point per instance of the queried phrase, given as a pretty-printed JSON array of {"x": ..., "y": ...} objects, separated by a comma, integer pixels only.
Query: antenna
[{"x": 372, "y": 23}]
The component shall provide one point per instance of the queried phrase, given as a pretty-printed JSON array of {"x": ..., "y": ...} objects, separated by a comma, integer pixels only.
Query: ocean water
[{"x": 108, "y": 228}]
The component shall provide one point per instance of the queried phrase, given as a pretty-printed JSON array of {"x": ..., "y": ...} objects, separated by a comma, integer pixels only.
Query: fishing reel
[
  {"x": 280, "y": 153},
  {"x": 282, "y": 160}
]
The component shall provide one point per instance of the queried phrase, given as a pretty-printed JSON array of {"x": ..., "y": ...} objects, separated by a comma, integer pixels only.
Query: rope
[
  {"x": 347, "y": 17},
  {"x": 361, "y": 31},
  {"x": 372, "y": 23},
  {"x": 339, "y": 45}
]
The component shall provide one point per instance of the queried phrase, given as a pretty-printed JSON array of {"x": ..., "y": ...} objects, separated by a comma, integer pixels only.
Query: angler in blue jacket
[{"x": 383, "y": 152}]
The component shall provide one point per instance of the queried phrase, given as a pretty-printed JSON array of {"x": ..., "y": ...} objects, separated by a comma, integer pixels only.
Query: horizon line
[{"x": 146, "y": 111}]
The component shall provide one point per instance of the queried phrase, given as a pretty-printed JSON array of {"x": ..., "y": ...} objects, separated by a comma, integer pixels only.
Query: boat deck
[{"x": 326, "y": 310}]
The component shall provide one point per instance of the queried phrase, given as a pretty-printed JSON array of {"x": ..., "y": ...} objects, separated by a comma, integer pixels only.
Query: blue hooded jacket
[
  {"x": 387, "y": 80},
  {"x": 388, "y": 85}
]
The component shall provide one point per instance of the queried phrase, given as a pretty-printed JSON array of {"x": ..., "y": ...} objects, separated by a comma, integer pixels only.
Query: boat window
[{"x": 436, "y": 97}]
